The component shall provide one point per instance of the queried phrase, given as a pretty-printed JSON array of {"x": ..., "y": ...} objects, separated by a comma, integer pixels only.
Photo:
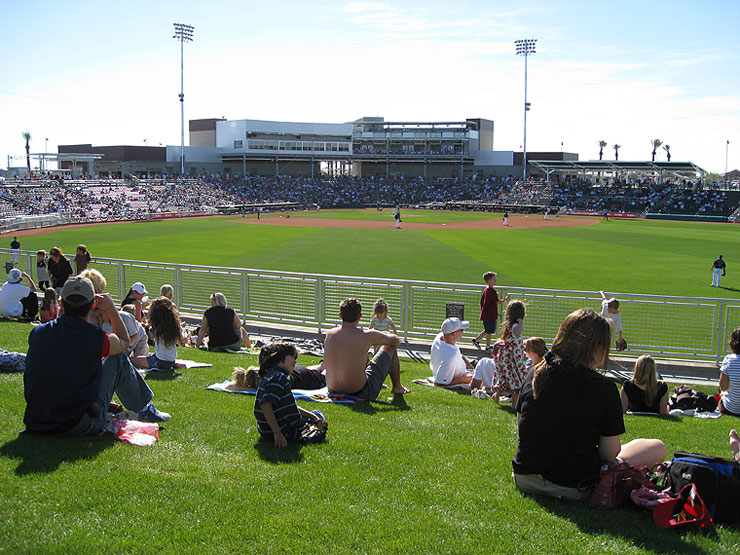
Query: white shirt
[
  {"x": 615, "y": 320},
  {"x": 731, "y": 368},
  {"x": 135, "y": 330},
  {"x": 10, "y": 299},
  {"x": 446, "y": 361}
]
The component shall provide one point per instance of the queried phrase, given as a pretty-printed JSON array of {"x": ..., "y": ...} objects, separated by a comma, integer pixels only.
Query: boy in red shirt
[{"x": 489, "y": 303}]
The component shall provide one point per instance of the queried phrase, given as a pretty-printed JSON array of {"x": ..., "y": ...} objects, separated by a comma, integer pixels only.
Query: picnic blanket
[
  {"x": 429, "y": 382},
  {"x": 188, "y": 365},
  {"x": 313, "y": 395}
]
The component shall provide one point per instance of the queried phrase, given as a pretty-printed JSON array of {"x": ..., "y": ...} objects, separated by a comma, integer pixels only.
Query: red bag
[
  {"x": 686, "y": 511},
  {"x": 616, "y": 483}
]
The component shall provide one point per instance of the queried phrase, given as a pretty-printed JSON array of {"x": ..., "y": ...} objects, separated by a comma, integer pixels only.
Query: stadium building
[{"x": 369, "y": 146}]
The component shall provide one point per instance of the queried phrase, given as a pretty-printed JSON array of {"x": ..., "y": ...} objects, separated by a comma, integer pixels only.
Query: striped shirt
[
  {"x": 275, "y": 390},
  {"x": 731, "y": 368}
]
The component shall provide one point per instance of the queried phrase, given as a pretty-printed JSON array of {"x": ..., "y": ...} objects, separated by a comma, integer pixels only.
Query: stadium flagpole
[
  {"x": 183, "y": 33},
  {"x": 525, "y": 47}
]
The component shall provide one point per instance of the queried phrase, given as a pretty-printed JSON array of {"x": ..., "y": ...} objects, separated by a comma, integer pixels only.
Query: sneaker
[
  {"x": 151, "y": 414},
  {"x": 475, "y": 342}
]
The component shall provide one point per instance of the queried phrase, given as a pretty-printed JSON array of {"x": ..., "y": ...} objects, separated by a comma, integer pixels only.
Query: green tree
[
  {"x": 616, "y": 151},
  {"x": 667, "y": 149},
  {"x": 27, "y": 137}
]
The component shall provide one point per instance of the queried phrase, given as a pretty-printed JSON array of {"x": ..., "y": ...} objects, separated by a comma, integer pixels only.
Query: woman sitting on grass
[
  {"x": 279, "y": 419},
  {"x": 570, "y": 416},
  {"x": 222, "y": 326},
  {"x": 645, "y": 393},
  {"x": 729, "y": 378}
]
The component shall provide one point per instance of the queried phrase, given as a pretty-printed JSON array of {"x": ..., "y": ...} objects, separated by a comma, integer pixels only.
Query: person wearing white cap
[
  {"x": 73, "y": 368},
  {"x": 450, "y": 367},
  {"x": 17, "y": 300},
  {"x": 137, "y": 296}
]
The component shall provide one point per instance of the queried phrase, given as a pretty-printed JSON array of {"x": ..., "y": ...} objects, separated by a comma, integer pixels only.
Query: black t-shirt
[
  {"x": 636, "y": 397},
  {"x": 719, "y": 263},
  {"x": 559, "y": 432},
  {"x": 221, "y": 331},
  {"x": 63, "y": 373}
]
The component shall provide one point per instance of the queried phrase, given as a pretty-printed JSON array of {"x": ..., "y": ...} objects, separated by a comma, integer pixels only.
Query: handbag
[
  {"x": 688, "y": 510},
  {"x": 617, "y": 482}
]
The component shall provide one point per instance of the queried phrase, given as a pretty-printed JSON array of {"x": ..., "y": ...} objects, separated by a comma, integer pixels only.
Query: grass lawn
[
  {"x": 428, "y": 473},
  {"x": 658, "y": 257},
  {"x": 416, "y": 216}
]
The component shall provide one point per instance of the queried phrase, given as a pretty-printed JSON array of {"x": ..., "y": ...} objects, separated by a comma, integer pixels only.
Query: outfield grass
[
  {"x": 415, "y": 216},
  {"x": 648, "y": 257},
  {"x": 426, "y": 474}
]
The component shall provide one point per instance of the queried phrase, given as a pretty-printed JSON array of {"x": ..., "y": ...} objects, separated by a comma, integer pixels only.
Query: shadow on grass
[
  {"x": 162, "y": 376},
  {"x": 728, "y": 288},
  {"x": 42, "y": 454},
  {"x": 398, "y": 402},
  {"x": 630, "y": 523},
  {"x": 269, "y": 453}
]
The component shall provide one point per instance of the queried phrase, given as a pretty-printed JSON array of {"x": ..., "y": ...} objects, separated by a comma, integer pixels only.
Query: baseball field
[
  {"x": 624, "y": 256},
  {"x": 428, "y": 472}
]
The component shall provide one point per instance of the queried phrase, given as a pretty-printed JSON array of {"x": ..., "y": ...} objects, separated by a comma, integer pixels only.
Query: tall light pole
[
  {"x": 525, "y": 47},
  {"x": 183, "y": 33},
  {"x": 727, "y": 153}
]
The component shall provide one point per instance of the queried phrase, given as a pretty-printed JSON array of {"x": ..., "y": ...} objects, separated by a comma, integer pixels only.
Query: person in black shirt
[
  {"x": 718, "y": 270},
  {"x": 570, "y": 416}
]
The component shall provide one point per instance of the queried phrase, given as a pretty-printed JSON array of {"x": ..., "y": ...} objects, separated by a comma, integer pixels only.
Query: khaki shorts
[{"x": 535, "y": 483}]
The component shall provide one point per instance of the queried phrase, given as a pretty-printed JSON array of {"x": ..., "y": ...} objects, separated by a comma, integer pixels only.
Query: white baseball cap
[
  {"x": 451, "y": 325},
  {"x": 14, "y": 275},
  {"x": 139, "y": 288}
]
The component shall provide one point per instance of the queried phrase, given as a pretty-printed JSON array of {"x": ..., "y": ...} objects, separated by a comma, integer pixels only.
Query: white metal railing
[{"x": 690, "y": 327}]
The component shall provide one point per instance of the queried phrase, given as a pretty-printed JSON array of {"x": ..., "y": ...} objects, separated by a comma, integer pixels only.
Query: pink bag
[{"x": 135, "y": 432}]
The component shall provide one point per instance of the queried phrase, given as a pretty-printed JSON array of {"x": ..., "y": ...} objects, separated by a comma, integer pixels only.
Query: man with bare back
[{"x": 348, "y": 368}]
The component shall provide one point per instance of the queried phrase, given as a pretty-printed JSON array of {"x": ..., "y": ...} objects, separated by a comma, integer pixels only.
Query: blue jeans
[
  {"x": 155, "y": 362},
  {"x": 120, "y": 377}
]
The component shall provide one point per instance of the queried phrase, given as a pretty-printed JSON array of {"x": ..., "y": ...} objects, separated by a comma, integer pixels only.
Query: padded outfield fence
[{"x": 686, "y": 327}]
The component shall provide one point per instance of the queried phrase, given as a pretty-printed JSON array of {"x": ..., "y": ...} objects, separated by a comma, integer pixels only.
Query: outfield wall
[{"x": 691, "y": 327}]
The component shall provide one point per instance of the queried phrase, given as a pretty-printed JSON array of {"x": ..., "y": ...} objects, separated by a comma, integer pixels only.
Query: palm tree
[
  {"x": 27, "y": 137},
  {"x": 602, "y": 144},
  {"x": 616, "y": 151},
  {"x": 667, "y": 149},
  {"x": 656, "y": 145}
]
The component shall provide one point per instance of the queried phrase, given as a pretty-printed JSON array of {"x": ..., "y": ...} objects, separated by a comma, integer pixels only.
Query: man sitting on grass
[
  {"x": 68, "y": 387},
  {"x": 450, "y": 367},
  {"x": 348, "y": 368}
]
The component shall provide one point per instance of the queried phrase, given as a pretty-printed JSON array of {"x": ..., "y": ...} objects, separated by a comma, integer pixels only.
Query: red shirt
[{"x": 489, "y": 304}]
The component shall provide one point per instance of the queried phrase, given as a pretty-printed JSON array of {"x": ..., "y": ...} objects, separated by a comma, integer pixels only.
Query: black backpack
[{"x": 717, "y": 481}]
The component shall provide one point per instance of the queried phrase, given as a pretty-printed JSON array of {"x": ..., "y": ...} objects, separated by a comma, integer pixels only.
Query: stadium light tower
[
  {"x": 525, "y": 47},
  {"x": 183, "y": 33}
]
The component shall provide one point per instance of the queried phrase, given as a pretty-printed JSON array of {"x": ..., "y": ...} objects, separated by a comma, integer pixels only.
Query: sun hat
[
  {"x": 451, "y": 325},
  {"x": 14, "y": 275},
  {"x": 78, "y": 291},
  {"x": 139, "y": 288}
]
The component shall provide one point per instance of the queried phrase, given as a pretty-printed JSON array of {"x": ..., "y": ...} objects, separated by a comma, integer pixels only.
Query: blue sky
[{"x": 629, "y": 72}]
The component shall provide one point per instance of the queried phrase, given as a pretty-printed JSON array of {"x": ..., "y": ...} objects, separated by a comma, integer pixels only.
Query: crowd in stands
[{"x": 133, "y": 198}]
